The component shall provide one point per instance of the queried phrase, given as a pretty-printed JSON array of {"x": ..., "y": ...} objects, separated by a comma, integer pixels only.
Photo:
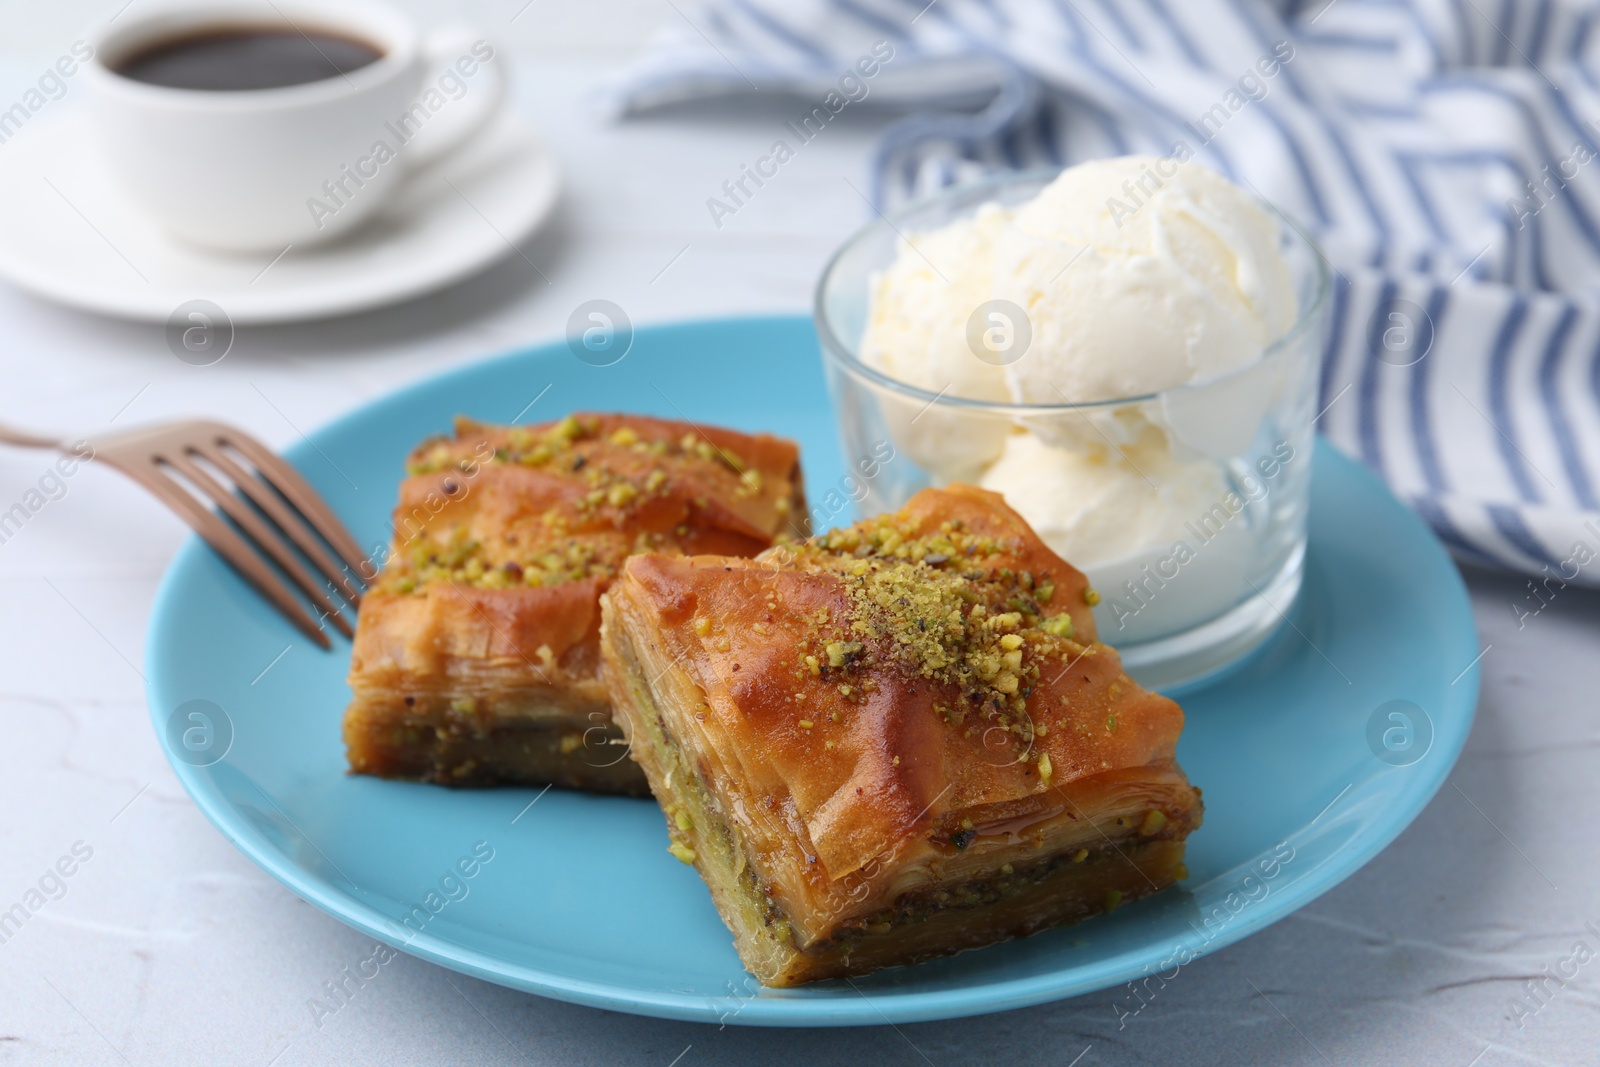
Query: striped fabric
[{"x": 1443, "y": 152}]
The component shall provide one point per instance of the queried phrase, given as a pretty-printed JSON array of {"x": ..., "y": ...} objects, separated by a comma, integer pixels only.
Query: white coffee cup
[{"x": 259, "y": 169}]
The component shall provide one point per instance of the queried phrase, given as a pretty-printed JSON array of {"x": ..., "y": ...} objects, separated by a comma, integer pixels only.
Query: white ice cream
[
  {"x": 917, "y": 333},
  {"x": 1132, "y": 291},
  {"x": 1142, "y": 525},
  {"x": 1137, "y": 275}
]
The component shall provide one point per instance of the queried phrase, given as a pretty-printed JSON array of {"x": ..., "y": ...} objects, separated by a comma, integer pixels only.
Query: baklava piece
[
  {"x": 477, "y": 652},
  {"x": 894, "y": 741}
]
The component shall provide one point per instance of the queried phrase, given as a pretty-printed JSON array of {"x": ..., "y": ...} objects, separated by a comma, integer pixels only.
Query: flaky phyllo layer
[{"x": 908, "y": 716}]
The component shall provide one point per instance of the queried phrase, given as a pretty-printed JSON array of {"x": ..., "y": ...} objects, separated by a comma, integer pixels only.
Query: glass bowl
[{"x": 1233, "y": 452}]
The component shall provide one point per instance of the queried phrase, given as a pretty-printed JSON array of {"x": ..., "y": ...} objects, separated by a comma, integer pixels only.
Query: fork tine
[
  {"x": 263, "y": 496},
  {"x": 229, "y": 545},
  {"x": 265, "y": 540},
  {"x": 286, "y": 480}
]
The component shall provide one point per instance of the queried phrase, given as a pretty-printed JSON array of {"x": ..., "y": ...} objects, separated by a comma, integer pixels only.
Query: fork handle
[{"x": 22, "y": 439}]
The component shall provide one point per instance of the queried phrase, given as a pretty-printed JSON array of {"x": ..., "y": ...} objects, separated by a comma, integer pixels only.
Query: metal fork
[{"x": 157, "y": 457}]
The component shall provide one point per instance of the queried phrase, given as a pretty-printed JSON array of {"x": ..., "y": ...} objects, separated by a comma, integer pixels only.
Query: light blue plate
[{"x": 581, "y": 901}]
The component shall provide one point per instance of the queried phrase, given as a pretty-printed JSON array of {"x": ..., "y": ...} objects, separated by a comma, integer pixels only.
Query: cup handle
[{"x": 447, "y": 54}]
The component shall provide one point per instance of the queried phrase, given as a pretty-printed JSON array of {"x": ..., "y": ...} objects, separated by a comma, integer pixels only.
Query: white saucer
[{"x": 68, "y": 234}]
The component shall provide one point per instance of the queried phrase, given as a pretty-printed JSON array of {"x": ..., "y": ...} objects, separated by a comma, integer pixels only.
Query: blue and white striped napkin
[{"x": 1443, "y": 152}]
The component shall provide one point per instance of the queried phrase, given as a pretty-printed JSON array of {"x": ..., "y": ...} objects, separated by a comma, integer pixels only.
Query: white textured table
[{"x": 167, "y": 946}]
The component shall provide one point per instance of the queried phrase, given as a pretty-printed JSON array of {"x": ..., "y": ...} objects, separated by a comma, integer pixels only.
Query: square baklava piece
[
  {"x": 477, "y": 651},
  {"x": 894, "y": 741}
]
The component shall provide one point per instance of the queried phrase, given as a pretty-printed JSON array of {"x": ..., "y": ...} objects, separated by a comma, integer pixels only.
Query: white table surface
[{"x": 171, "y": 947}]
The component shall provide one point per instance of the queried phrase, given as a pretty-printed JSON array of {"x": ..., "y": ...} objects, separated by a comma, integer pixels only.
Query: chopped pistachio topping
[
  {"x": 886, "y": 537},
  {"x": 750, "y": 483},
  {"x": 555, "y": 444},
  {"x": 462, "y": 561},
  {"x": 432, "y": 458},
  {"x": 1060, "y": 625},
  {"x": 935, "y": 624},
  {"x": 691, "y": 445},
  {"x": 934, "y": 603},
  {"x": 578, "y": 448},
  {"x": 842, "y": 652}
]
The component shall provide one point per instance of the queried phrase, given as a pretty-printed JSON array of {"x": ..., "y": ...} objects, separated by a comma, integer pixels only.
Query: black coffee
[{"x": 247, "y": 58}]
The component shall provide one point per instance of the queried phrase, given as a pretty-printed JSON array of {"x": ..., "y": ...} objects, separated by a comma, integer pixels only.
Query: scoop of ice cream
[
  {"x": 1121, "y": 517},
  {"x": 1138, "y": 274},
  {"x": 916, "y": 329},
  {"x": 1093, "y": 507},
  {"x": 916, "y": 332}
]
